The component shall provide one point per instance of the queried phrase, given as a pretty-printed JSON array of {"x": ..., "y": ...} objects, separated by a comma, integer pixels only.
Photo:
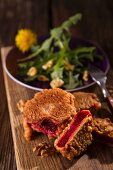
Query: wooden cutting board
[{"x": 97, "y": 157}]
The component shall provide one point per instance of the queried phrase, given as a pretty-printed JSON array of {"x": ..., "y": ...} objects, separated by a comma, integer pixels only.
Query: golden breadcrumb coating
[
  {"x": 27, "y": 130},
  {"x": 55, "y": 104},
  {"x": 78, "y": 140},
  {"x": 85, "y": 100},
  {"x": 103, "y": 126}
]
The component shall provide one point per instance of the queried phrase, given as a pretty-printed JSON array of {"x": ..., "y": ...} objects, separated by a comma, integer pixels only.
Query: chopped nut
[
  {"x": 44, "y": 149},
  {"x": 21, "y": 105},
  {"x": 68, "y": 66},
  {"x": 43, "y": 78},
  {"x": 56, "y": 83},
  {"x": 48, "y": 65},
  {"x": 85, "y": 75},
  {"x": 32, "y": 71}
]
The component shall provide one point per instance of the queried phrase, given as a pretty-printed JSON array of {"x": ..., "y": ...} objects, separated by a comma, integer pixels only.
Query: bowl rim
[{"x": 69, "y": 90}]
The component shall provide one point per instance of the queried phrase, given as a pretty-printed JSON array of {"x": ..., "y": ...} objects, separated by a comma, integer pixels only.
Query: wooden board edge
[{"x": 4, "y": 52}]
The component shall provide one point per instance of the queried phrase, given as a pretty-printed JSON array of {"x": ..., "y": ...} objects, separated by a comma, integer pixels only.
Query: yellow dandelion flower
[{"x": 24, "y": 39}]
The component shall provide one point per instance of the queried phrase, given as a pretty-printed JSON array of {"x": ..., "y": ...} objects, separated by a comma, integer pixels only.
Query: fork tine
[
  {"x": 100, "y": 78},
  {"x": 96, "y": 72},
  {"x": 95, "y": 69}
]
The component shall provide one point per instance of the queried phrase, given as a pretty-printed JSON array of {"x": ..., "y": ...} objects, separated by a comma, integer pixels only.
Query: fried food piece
[
  {"x": 86, "y": 101},
  {"x": 103, "y": 130},
  {"x": 27, "y": 130},
  {"x": 48, "y": 110},
  {"x": 76, "y": 136}
]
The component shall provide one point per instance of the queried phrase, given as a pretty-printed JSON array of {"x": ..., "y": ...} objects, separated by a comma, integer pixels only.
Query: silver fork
[{"x": 100, "y": 78}]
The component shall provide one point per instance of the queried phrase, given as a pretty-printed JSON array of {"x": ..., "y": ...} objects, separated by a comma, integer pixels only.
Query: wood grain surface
[
  {"x": 7, "y": 155},
  {"x": 41, "y": 16},
  {"x": 98, "y": 156}
]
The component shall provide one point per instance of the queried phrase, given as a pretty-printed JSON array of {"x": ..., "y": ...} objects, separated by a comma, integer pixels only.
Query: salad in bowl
[{"x": 57, "y": 60}]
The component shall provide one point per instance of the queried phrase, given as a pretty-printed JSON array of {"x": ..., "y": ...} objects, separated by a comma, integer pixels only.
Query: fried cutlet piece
[
  {"x": 85, "y": 100},
  {"x": 48, "y": 110},
  {"x": 103, "y": 130},
  {"x": 76, "y": 136}
]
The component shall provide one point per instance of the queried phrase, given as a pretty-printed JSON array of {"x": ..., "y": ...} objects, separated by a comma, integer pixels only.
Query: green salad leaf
[
  {"x": 73, "y": 81},
  {"x": 56, "y": 36},
  {"x": 54, "y": 58}
]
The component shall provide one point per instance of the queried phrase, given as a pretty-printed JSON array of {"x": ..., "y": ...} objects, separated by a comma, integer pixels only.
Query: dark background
[{"x": 40, "y": 16}]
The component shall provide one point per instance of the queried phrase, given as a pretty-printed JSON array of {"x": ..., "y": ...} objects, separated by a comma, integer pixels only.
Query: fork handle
[{"x": 110, "y": 102}]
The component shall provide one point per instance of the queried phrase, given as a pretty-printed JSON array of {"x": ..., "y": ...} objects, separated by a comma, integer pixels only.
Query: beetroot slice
[
  {"x": 76, "y": 123},
  {"x": 45, "y": 126}
]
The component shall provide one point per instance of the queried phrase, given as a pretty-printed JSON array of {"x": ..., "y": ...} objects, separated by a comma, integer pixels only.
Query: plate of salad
[{"x": 58, "y": 60}]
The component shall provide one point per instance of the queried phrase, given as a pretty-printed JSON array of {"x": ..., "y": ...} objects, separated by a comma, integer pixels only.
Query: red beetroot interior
[
  {"x": 74, "y": 125},
  {"x": 46, "y": 126}
]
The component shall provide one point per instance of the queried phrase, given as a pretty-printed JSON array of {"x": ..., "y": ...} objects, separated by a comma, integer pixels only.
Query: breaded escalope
[
  {"x": 48, "y": 110},
  {"x": 85, "y": 100},
  {"x": 103, "y": 130},
  {"x": 76, "y": 136}
]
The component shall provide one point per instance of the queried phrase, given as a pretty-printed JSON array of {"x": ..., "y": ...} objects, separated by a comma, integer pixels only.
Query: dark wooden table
[{"x": 96, "y": 25}]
